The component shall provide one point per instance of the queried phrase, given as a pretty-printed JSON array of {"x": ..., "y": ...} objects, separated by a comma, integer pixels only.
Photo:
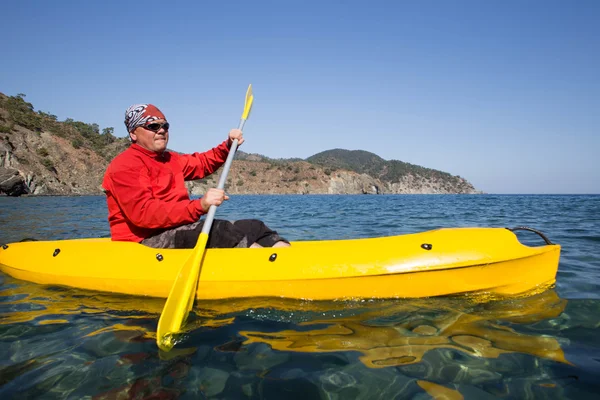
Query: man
[{"x": 146, "y": 195}]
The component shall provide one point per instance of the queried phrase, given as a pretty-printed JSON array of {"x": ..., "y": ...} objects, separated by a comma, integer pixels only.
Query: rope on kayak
[{"x": 526, "y": 228}]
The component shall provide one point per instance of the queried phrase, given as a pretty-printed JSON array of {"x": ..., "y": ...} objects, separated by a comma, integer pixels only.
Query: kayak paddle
[{"x": 183, "y": 292}]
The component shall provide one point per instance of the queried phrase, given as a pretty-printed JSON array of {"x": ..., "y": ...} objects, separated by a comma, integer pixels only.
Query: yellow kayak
[{"x": 433, "y": 263}]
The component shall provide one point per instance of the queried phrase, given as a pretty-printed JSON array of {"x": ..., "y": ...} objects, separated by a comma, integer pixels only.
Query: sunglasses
[{"x": 156, "y": 126}]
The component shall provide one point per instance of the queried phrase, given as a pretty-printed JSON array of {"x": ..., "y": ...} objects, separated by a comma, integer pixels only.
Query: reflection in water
[
  {"x": 385, "y": 332},
  {"x": 400, "y": 332},
  {"x": 439, "y": 392},
  {"x": 27, "y": 301},
  {"x": 413, "y": 345}
]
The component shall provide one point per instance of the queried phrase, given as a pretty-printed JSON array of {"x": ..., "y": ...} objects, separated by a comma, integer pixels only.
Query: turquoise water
[{"x": 65, "y": 343}]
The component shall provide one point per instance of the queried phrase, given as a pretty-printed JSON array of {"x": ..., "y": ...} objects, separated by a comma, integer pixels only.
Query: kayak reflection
[
  {"x": 400, "y": 332},
  {"x": 385, "y": 332}
]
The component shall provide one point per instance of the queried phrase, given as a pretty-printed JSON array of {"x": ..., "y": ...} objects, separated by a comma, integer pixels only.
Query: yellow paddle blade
[
  {"x": 249, "y": 101},
  {"x": 181, "y": 298}
]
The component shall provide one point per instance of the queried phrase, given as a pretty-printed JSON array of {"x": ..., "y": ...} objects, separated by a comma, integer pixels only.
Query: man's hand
[
  {"x": 213, "y": 197},
  {"x": 236, "y": 134}
]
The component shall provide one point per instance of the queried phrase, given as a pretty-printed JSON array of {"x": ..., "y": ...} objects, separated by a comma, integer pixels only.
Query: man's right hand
[{"x": 213, "y": 197}]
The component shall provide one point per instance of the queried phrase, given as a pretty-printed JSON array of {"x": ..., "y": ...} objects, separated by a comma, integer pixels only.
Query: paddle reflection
[{"x": 400, "y": 332}]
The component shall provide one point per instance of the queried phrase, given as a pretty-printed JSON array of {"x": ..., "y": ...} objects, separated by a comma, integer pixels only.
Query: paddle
[{"x": 182, "y": 295}]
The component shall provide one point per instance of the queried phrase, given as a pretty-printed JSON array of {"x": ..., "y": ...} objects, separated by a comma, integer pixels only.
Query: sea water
[{"x": 58, "y": 342}]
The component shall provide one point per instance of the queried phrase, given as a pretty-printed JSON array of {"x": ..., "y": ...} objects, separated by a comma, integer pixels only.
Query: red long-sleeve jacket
[{"x": 146, "y": 193}]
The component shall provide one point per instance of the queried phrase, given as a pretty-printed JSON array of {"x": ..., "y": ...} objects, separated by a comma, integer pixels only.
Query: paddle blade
[
  {"x": 248, "y": 104},
  {"x": 181, "y": 298}
]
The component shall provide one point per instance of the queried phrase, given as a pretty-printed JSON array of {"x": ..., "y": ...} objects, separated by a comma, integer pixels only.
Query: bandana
[{"x": 141, "y": 114}]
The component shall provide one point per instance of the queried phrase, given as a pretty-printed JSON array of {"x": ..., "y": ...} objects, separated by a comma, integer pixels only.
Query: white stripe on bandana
[{"x": 140, "y": 114}]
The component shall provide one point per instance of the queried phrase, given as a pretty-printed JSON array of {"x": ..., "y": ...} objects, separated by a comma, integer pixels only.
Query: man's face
[{"x": 150, "y": 140}]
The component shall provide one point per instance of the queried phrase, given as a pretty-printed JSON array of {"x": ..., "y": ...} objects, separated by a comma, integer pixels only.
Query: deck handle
[{"x": 526, "y": 228}]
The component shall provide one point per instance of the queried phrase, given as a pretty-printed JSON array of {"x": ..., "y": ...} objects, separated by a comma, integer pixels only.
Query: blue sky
[{"x": 503, "y": 93}]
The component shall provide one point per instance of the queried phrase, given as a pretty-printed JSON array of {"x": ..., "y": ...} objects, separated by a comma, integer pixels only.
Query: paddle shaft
[
  {"x": 213, "y": 209},
  {"x": 182, "y": 294}
]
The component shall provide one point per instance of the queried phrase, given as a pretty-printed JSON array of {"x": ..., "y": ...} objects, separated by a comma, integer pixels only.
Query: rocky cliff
[{"x": 42, "y": 156}]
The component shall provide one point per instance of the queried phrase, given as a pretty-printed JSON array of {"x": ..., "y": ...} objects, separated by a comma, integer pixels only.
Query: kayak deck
[{"x": 434, "y": 263}]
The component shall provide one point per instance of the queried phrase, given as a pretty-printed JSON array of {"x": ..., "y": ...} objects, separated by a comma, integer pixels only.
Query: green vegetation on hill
[
  {"x": 364, "y": 162},
  {"x": 81, "y": 135},
  {"x": 359, "y": 161}
]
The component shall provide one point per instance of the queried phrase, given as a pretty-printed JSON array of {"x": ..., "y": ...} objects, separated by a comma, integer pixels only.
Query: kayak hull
[{"x": 433, "y": 263}]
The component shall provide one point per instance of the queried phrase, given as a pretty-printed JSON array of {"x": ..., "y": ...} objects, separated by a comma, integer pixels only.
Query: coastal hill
[{"x": 40, "y": 155}]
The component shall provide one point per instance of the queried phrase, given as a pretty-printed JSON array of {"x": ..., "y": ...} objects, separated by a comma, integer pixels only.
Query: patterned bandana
[{"x": 141, "y": 114}]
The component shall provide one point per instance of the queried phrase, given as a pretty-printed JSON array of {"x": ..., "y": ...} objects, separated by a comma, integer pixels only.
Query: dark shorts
[{"x": 223, "y": 234}]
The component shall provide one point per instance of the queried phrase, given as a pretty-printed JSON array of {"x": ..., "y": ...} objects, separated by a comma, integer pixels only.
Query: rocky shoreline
[{"x": 41, "y": 156}]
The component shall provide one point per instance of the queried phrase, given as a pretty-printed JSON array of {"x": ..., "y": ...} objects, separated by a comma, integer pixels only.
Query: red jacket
[{"x": 146, "y": 193}]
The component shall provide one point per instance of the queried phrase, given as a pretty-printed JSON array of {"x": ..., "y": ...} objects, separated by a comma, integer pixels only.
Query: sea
[{"x": 64, "y": 343}]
